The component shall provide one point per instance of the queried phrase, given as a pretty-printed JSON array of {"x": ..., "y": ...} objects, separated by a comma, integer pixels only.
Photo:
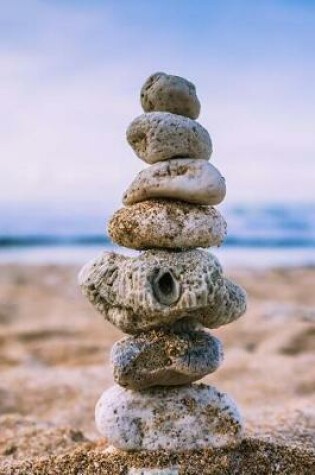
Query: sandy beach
[{"x": 55, "y": 359}]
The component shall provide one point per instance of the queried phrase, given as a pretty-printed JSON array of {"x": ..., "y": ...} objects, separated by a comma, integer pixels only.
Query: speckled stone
[
  {"x": 159, "y": 287},
  {"x": 168, "y": 225},
  {"x": 184, "y": 179},
  {"x": 165, "y": 357},
  {"x": 176, "y": 419},
  {"x": 158, "y": 136},
  {"x": 164, "y": 92}
]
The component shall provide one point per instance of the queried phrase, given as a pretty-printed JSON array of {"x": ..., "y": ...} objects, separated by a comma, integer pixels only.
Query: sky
[{"x": 71, "y": 72}]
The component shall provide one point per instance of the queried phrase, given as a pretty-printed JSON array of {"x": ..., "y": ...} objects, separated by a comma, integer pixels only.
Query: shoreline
[{"x": 230, "y": 257}]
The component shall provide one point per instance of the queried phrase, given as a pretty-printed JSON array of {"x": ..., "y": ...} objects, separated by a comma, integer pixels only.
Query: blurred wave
[
  {"x": 233, "y": 241},
  {"x": 248, "y": 226},
  {"x": 38, "y": 241},
  {"x": 265, "y": 227}
]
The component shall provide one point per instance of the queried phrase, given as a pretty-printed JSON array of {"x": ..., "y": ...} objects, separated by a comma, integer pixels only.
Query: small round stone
[
  {"x": 158, "y": 136},
  {"x": 176, "y": 418},
  {"x": 185, "y": 179},
  {"x": 179, "y": 355},
  {"x": 157, "y": 288},
  {"x": 167, "y": 93},
  {"x": 168, "y": 225}
]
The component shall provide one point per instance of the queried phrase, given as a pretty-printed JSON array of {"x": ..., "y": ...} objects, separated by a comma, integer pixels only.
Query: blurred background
[
  {"x": 70, "y": 78},
  {"x": 71, "y": 73}
]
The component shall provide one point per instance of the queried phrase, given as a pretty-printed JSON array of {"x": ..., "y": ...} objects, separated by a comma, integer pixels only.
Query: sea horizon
[{"x": 258, "y": 235}]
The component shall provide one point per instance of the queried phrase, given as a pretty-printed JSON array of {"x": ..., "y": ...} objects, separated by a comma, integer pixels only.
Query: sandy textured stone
[
  {"x": 185, "y": 179},
  {"x": 160, "y": 287},
  {"x": 164, "y": 92},
  {"x": 169, "y": 357},
  {"x": 158, "y": 136},
  {"x": 168, "y": 225},
  {"x": 179, "y": 418}
]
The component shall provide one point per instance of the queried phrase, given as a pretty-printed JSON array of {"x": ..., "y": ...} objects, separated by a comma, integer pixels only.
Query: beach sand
[{"x": 54, "y": 358}]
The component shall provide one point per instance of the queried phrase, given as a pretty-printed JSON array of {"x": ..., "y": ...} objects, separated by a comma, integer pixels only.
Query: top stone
[{"x": 165, "y": 93}]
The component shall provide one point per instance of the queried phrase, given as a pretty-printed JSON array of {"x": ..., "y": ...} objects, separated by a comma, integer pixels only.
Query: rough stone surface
[
  {"x": 168, "y": 225},
  {"x": 190, "y": 180},
  {"x": 160, "y": 287},
  {"x": 158, "y": 136},
  {"x": 165, "y": 357},
  {"x": 164, "y": 92},
  {"x": 179, "y": 418}
]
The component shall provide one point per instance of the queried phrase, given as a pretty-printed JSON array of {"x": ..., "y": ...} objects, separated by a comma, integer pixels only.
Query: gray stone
[
  {"x": 158, "y": 136},
  {"x": 163, "y": 92},
  {"x": 176, "y": 419},
  {"x": 167, "y": 224},
  {"x": 131, "y": 291},
  {"x": 185, "y": 179},
  {"x": 165, "y": 357}
]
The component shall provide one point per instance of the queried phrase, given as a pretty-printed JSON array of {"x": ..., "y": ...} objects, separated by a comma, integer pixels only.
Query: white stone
[
  {"x": 185, "y": 179},
  {"x": 158, "y": 136},
  {"x": 176, "y": 419}
]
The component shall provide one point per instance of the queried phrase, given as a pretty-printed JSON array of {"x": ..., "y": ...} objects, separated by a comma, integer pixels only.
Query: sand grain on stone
[{"x": 165, "y": 224}]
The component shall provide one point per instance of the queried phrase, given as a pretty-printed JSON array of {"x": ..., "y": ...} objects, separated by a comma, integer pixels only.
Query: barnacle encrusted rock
[
  {"x": 185, "y": 179},
  {"x": 168, "y": 225},
  {"x": 168, "y": 418},
  {"x": 131, "y": 291},
  {"x": 157, "y": 136},
  {"x": 164, "y": 92},
  {"x": 166, "y": 357}
]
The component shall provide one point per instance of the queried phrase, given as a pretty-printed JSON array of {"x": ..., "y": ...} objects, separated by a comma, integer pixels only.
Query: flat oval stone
[
  {"x": 165, "y": 357},
  {"x": 158, "y": 136},
  {"x": 185, "y": 179},
  {"x": 131, "y": 292},
  {"x": 167, "y": 224},
  {"x": 167, "y": 93},
  {"x": 175, "y": 419}
]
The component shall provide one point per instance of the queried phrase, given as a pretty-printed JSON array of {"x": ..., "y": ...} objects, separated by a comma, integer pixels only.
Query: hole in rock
[
  {"x": 166, "y": 288},
  {"x": 166, "y": 284}
]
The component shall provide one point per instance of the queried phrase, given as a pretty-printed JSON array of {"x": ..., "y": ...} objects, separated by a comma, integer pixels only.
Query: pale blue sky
[{"x": 71, "y": 71}]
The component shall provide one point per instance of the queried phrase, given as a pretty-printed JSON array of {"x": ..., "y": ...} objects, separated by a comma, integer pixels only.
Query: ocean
[{"x": 258, "y": 236}]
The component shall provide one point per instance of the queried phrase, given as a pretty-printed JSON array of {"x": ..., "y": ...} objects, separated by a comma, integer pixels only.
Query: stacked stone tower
[{"x": 166, "y": 296}]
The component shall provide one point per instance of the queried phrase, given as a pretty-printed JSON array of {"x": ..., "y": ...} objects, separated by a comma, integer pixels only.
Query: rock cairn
[{"x": 165, "y": 297}]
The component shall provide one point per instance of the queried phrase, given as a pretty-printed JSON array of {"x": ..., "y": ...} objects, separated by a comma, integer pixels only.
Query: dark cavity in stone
[{"x": 165, "y": 287}]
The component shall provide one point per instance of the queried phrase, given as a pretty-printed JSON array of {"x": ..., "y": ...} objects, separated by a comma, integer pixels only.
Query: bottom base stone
[{"x": 176, "y": 419}]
